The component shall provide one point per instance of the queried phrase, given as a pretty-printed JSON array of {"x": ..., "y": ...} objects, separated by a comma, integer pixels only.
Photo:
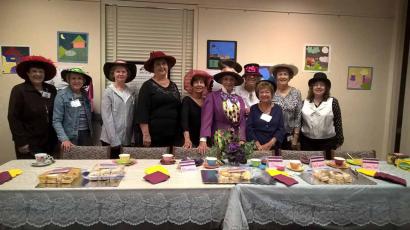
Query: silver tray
[{"x": 358, "y": 179}]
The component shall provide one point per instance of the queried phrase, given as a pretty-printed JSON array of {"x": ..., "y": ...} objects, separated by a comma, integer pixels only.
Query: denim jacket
[{"x": 66, "y": 118}]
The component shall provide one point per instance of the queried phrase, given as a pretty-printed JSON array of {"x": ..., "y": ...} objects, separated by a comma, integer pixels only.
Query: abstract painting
[
  {"x": 317, "y": 58},
  {"x": 10, "y": 56},
  {"x": 359, "y": 77}
]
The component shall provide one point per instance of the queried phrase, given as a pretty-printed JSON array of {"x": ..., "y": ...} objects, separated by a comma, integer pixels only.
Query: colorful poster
[
  {"x": 10, "y": 56},
  {"x": 317, "y": 58},
  {"x": 72, "y": 47},
  {"x": 359, "y": 77},
  {"x": 219, "y": 50}
]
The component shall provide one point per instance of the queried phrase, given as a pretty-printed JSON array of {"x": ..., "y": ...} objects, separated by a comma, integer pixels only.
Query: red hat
[
  {"x": 155, "y": 55},
  {"x": 193, "y": 73},
  {"x": 26, "y": 63},
  {"x": 252, "y": 69}
]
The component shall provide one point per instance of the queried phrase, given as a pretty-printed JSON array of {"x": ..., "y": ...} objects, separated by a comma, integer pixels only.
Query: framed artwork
[
  {"x": 219, "y": 50},
  {"x": 316, "y": 58},
  {"x": 72, "y": 47},
  {"x": 359, "y": 77},
  {"x": 10, "y": 56}
]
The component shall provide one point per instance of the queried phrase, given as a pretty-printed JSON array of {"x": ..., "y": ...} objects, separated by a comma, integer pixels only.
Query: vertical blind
[{"x": 133, "y": 32}]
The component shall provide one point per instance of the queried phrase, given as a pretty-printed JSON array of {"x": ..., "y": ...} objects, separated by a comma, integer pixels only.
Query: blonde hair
[{"x": 264, "y": 85}]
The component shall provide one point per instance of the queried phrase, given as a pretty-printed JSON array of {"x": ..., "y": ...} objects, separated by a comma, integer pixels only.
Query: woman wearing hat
[
  {"x": 321, "y": 118},
  {"x": 72, "y": 110},
  {"x": 223, "y": 109},
  {"x": 265, "y": 121},
  {"x": 118, "y": 106},
  {"x": 290, "y": 100},
  {"x": 31, "y": 108},
  {"x": 159, "y": 104},
  {"x": 192, "y": 105},
  {"x": 247, "y": 89}
]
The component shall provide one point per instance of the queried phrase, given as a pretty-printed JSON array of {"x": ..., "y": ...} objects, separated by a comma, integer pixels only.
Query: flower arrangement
[{"x": 227, "y": 146}]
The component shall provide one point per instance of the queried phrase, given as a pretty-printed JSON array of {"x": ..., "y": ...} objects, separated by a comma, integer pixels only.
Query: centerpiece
[{"x": 228, "y": 146}]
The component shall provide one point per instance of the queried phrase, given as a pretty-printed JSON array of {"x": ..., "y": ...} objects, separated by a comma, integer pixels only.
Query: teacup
[
  {"x": 256, "y": 162},
  {"x": 167, "y": 157},
  {"x": 211, "y": 161},
  {"x": 295, "y": 164},
  {"x": 43, "y": 158},
  {"x": 124, "y": 157},
  {"x": 339, "y": 161}
]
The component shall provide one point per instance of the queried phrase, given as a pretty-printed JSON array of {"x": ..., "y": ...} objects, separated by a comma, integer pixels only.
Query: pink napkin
[
  {"x": 288, "y": 181},
  {"x": 156, "y": 177},
  {"x": 4, "y": 177}
]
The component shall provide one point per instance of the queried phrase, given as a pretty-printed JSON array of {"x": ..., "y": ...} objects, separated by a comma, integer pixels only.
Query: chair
[
  {"x": 296, "y": 155},
  {"x": 259, "y": 154},
  {"x": 180, "y": 152},
  {"x": 355, "y": 154},
  {"x": 145, "y": 152},
  {"x": 87, "y": 152}
]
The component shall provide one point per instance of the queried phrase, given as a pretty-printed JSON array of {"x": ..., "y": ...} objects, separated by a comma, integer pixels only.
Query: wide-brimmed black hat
[
  {"x": 132, "y": 69},
  {"x": 28, "y": 61},
  {"x": 229, "y": 68},
  {"x": 87, "y": 78},
  {"x": 320, "y": 76}
]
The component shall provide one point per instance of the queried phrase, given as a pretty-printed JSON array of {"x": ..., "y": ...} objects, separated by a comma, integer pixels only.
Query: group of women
[{"x": 156, "y": 117}]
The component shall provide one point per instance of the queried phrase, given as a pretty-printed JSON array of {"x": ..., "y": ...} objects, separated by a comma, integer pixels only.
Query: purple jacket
[{"x": 213, "y": 116}]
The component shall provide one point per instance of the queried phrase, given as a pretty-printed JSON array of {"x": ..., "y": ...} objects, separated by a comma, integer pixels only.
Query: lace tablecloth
[
  {"x": 181, "y": 199},
  {"x": 305, "y": 204}
]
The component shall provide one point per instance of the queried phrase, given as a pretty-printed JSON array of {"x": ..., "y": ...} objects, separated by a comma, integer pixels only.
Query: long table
[{"x": 184, "y": 199}]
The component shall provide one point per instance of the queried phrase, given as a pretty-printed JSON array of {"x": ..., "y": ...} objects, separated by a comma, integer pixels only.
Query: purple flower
[{"x": 233, "y": 147}]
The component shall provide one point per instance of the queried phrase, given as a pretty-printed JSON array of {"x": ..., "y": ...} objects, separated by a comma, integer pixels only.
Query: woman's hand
[
  {"x": 187, "y": 143},
  {"x": 146, "y": 140},
  {"x": 258, "y": 145},
  {"x": 203, "y": 147},
  {"x": 24, "y": 149},
  {"x": 66, "y": 145}
]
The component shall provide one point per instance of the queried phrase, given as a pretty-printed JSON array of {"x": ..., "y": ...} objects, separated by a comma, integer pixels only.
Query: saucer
[
  {"x": 167, "y": 163},
  {"x": 126, "y": 163},
  {"x": 210, "y": 166},
  {"x": 333, "y": 165},
  {"x": 300, "y": 169},
  {"x": 38, "y": 164}
]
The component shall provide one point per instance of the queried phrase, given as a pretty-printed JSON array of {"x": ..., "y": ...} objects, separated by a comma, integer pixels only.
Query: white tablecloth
[
  {"x": 305, "y": 204},
  {"x": 181, "y": 199}
]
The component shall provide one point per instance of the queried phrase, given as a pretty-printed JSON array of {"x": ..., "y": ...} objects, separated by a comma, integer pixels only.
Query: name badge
[
  {"x": 266, "y": 117},
  {"x": 46, "y": 94},
  {"x": 75, "y": 103}
]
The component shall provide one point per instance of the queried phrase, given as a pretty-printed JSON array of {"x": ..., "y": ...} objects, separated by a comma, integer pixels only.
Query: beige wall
[
  {"x": 365, "y": 32},
  {"x": 35, "y": 23}
]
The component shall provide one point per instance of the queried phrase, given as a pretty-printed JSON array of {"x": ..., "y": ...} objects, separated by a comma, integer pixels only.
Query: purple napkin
[
  {"x": 156, "y": 177},
  {"x": 288, "y": 181},
  {"x": 4, "y": 177},
  {"x": 390, "y": 178}
]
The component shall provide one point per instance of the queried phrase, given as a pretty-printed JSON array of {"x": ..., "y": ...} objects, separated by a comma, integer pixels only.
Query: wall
[
  {"x": 35, "y": 23},
  {"x": 365, "y": 32},
  {"x": 405, "y": 135}
]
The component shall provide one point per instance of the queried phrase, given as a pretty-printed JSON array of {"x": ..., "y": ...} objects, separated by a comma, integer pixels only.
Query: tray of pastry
[
  {"x": 65, "y": 175},
  {"x": 327, "y": 176},
  {"x": 105, "y": 171},
  {"x": 236, "y": 176}
]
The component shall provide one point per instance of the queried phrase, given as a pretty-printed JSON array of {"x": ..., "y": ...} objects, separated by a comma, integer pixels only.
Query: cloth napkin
[
  {"x": 156, "y": 168},
  {"x": 4, "y": 177},
  {"x": 156, "y": 177},
  {"x": 390, "y": 178},
  {"x": 273, "y": 172},
  {"x": 288, "y": 181}
]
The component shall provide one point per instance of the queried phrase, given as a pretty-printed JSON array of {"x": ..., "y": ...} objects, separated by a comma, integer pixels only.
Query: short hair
[
  {"x": 290, "y": 72},
  {"x": 265, "y": 85},
  {"x": 198, "y": 78},
  {"x": 114, "y": 67},
  {"x": 311, "y": 96}
]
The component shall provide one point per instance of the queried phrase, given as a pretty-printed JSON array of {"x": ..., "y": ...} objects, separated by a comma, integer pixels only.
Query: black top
[
  {"x": 191, "y": 119},
  {"x": 159, "y": 107},
  {"x": 30, "y": 116}
]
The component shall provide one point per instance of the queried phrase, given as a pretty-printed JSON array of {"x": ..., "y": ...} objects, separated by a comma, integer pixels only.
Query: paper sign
[
  {"x": 59, "y": 170},
  {"x": 317, "y": 162},
  {"x": 188, "y": 165},
  {"x": 275, "y": 161},
  {"x": 370, "y": 163}
]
